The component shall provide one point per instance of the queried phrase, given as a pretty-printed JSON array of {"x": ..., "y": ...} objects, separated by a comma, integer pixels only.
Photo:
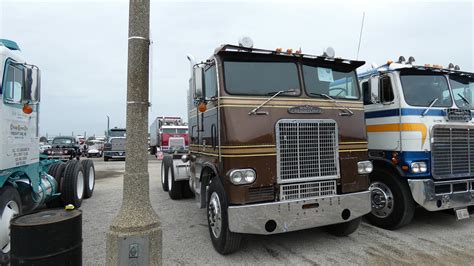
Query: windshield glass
[
  {"x": 321, "y": 80},
  {"x": 261, "y": 78},
  {"x": 462, "y": 91},
  {"x": 62, "y": 141},
  {"x": 117, "y": 133},
  {"x": 169, "y": 130},
  {"x": 423, "y": 89},
  {"x": 182, "y": 131}
]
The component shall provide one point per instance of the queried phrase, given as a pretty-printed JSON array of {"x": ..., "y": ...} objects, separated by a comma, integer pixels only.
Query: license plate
[{"x": 462, "y": 214}]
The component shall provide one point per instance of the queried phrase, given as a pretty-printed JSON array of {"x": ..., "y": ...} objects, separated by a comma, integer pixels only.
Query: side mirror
[
  {"x": 32, "y": 84},
  {"x": 198, "y": 83},
  {"x": 374, "y": 89}
]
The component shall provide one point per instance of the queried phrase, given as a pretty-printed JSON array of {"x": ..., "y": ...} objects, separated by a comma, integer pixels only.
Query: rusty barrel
[{"x": 49, "y": 237}]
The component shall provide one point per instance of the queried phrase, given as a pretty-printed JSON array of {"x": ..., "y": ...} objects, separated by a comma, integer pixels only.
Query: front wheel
[
  {"x": 10, "y": 206},
  {"x": 392, "y": 203},
  {"x": 344, "y": 229},
  {"x": 223, "y": 240}
]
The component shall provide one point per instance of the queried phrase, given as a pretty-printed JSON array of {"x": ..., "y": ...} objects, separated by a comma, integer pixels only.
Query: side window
[
  {"x": 366, "y": 93},
  {"x": 13, "y": 84},
  {"x": 386, "y": 90},
  {"x": 210, "y": 82}
]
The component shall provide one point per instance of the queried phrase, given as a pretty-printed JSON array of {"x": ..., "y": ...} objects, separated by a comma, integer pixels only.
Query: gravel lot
[{"x": 431, "y": 239}]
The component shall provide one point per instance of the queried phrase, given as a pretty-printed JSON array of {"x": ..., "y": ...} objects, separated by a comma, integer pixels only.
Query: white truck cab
[{"x": 421, "y": 139}]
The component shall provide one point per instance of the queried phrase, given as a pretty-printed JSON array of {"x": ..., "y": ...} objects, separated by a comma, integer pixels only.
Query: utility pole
[
  {"x": 108, "y": 127},
  {"x": 134, "y": 237}
]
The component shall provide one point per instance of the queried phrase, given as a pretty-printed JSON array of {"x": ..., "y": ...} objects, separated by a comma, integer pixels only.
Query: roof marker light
[
  {"x": 401, "y": 59},
  {"x": 457, "y": 68},
  {"x": 411, "y": 60},
  {"x": 451, "y": 66},
  {"x": 278, "y": 50},
  {"x": 246, "y": 42},
  {"x": 289, "y": 50}
]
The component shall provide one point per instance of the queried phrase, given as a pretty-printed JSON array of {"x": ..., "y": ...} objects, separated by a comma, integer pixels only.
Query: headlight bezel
[
  {"x": 419, "y": 167},
  {"x": 243, "y": 176}
]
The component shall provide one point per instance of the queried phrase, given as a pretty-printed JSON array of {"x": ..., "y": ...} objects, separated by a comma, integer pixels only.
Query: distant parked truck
[
  {"x": 115, "y": 148},
  {"x": 277, "y": 144},
  {"x": 29, "y": 180},
  {"x": 64, "y": 148},
  {"x": 421, "y": 140},
  {"x": 169, "y": 134}
]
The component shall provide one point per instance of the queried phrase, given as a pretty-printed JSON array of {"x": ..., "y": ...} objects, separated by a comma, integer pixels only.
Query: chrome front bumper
[
  {"x": 455, "y": 194},
  {"x": 296, "y": 215}
]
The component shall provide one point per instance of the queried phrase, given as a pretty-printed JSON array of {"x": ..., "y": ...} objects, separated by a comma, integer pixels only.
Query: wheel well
[
  {"x": 207, "y": 174},
  {"x": 382, "y": 164}
]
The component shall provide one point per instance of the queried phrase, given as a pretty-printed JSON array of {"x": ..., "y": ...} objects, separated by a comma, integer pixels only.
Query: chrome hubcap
[
  {"x": 382, "y": 199},
  {"x": 170, "y": 179},
  {"x": 215, "y": 215},
  {"x": 11, "y": 210},
  {"x": 80, "y": 185}
]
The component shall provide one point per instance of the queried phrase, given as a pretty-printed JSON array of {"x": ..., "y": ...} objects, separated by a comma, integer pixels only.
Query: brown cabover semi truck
[{"x": 277, "y": 144}]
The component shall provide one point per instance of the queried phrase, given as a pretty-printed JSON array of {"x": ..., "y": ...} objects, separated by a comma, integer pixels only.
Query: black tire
[
  {"x": 106, "y": 158},
  {"x": 89, "y": 177},
  {"x": 225, "y": 242},
  {"x": 71, "y": 192},
  {"x": 8, "y": 195},
  {"x": 187, "y": 192},
  {"x": 164, "y": 174},
  {"x": 57, "y": 171},
  {"x": 403, "y": 208},
  {"x": 344, "y": 229},
  {"x": 175, "y": 188}
]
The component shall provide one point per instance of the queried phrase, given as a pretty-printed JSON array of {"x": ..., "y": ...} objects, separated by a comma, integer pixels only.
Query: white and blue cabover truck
[
  {"x": 27, "y": 181},
  {"x": 421, "y": 140}
]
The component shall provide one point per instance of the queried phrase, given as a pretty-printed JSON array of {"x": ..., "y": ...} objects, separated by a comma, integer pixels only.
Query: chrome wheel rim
[
  {"x": 215, "y": 215},
  {"x": 170, "y": 179},
  {"x": 80, "y": 185},
  {"x": 382, "y": 199},
  {"x": 11, "y": 210},
  {"x": 91, "y": 178}
]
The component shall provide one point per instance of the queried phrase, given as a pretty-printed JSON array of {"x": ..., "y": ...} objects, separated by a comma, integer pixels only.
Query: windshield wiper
[
  {"x": 274, "y": 94},
  {"x": 464, "y": 99},
  {"x": 346, "y": 109},
  {"x": 429, "y": 107}
]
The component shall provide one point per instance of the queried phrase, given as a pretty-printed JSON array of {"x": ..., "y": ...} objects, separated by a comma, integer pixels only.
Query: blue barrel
[{"x": 49, "y": 237}]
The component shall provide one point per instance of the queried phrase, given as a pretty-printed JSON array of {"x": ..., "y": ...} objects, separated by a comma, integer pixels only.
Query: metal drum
[{"x": 49, "y": 237}]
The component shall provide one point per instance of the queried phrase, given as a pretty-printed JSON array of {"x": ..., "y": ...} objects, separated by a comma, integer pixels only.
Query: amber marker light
[
  {"x": 289, "y": 50},
  {"x": 389, "y": 62},
  {"x": 405, "y": 168},
  {"x": 202, "y": 107},
  {"x": 27, "y": 109},
  {"x": 278, "y": 50}
]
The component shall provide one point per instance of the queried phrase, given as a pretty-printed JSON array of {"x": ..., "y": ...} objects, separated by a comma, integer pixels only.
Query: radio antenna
[{"x": 360, "y": 35}]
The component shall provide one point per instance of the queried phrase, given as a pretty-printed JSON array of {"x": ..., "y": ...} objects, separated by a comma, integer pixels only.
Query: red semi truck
[{"x": 169, "y": 134}]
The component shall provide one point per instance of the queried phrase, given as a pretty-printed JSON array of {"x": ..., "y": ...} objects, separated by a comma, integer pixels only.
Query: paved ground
[{"x": 432, "y": 239}]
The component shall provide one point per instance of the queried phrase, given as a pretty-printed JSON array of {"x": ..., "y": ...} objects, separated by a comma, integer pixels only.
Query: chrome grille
[
  {"x": 306, "y": 150},
  {"x": 307, "y": 190},
  {"x": 452, "y": 152}
]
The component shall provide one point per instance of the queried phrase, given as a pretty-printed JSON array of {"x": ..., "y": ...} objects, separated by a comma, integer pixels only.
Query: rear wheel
[
  {"x": 73, "y": 184},
  {"x": 392, "y": 203},
  {"x": 106, "y": 158},
  {"x": 164, "y": 173},
  {"x": 89, "y": 177},
  {"x": 57, "y": 171},
  {"x": 223, "y": 240},
  {"x": 344, "y": 229},
  {"x": 174, "y": 187},
  {"x": 10, "y": 206}
]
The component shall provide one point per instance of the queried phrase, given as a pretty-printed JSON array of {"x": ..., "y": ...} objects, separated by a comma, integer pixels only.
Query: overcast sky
[{"x": 81, "y": 46}]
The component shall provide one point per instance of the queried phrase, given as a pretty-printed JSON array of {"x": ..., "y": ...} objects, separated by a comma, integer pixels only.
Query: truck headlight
[
  {"x": 242, "y": 176},
  {"x": 364, "y": 167},
  {"x": 418, "y": 167}
]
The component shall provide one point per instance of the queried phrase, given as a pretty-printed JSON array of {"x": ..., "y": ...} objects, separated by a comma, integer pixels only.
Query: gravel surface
[{"x": 433, "y": 238}]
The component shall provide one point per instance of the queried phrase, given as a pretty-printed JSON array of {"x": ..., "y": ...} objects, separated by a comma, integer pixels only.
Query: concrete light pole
[{"x": 134, "y": 237}]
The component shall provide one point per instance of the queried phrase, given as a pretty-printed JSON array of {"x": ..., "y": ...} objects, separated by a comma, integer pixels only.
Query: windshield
[
  {"x": 321, "y": 80},
  {"x": 423, "y": 89},
  {"x": 62, "y": 141},
  {"x": 462, "y": 91},
  {"x": 117, "y": 133},
  {"x": 182, "y": 131},
  {"x": 261, "y": 78}
]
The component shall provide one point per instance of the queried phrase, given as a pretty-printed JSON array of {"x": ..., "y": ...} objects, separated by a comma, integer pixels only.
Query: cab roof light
[
  {"x": 411, "y": 60},
  {"x": 437, "y": 66},
  {"x": 289, "y": 50},
  {"x": 279, "y": 50},
  {"x": 246, "y": 42},
  {"x": 457, "y": 68},
  {"x": 451, "y": 66},
  {"x": 329, "y": 52},
  {"x": 298, "y": 51},
  {"x": 389, "y": 62}
]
